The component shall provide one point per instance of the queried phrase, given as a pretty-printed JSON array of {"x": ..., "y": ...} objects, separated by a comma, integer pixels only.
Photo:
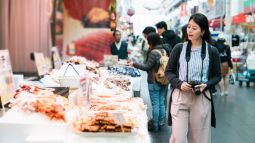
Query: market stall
[{"x": 100, "y": 107}]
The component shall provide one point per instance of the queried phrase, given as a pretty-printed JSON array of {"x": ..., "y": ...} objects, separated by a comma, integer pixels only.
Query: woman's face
[{"x": 194, "y": 31}]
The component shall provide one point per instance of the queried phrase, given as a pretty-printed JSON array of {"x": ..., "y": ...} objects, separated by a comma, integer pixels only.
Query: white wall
[
  {"x": 236, "y": 7},
  {"x": 144, "y": 17}
]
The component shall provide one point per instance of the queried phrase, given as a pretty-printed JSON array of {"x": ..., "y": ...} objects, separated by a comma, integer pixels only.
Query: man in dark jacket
[
  {"x": 119, "y": 48},
  {"x": 169, "y": 36}
]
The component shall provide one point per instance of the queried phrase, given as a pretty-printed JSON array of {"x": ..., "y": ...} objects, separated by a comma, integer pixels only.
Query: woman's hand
[
  {"x": 186, "y": 87},
  {"x": 201, "y": 87}
]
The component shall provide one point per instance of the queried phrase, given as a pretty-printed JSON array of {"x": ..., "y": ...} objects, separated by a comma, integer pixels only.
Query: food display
[
  {"x": 120, "y": 81},
  {"x": 110, "y": 109},
  {"x": 102, "y": 122},
  {"x": 92, "y": 66},
  {"x": 125, "y": 70},
  {"x": 34, "y": 99},
  {"x": 76, "y": 60},
  {"x": 117, "y": 104}
]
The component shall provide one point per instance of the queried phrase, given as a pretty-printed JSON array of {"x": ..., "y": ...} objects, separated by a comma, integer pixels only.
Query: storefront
[{"x": 216, "y": 23}]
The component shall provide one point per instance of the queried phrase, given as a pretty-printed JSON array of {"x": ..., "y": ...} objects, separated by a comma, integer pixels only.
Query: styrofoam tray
[{"x": 70, "y": 81}]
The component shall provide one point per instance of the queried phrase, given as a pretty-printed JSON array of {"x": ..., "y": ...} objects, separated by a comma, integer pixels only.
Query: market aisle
[
  {"x": 145, "y": 93},
  {"x": 235, "y": 118}
]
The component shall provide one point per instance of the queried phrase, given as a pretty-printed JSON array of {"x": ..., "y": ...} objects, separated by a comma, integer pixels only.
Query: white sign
[
  {"x": 110, "y": 60},
  {"x": 119, "y": 118},
  {"x": 56, "y": 58},
  {"x": 41, "y": 64},
  {"x": 7, "y": 89},
  {"x": 86, "y": 87}
]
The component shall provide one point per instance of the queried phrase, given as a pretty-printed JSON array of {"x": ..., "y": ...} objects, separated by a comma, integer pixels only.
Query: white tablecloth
[{"x": 15, "y": 129}]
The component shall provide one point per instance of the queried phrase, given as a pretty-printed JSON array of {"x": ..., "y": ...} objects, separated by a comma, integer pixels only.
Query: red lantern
[{"x": 131, "y": 12}]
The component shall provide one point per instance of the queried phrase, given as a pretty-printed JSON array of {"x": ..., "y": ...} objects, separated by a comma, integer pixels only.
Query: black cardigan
[{"x": 172, "y": 73}]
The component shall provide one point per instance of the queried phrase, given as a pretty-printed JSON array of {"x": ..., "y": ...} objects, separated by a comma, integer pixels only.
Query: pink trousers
[{"x": 191, "y": 117}]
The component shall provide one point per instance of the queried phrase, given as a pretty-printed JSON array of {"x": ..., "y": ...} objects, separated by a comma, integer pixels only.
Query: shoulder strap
[
  {"x": 203, "y": 52},
  {"x": 164, "y": 52},
  {"x": 158, "y": 51},
  {"x": 210, "y": 55},
  {"x": 187, "y": 57},
  {"x": 179, "y": 53},
  {"x": 188, "y": 51},
  {"x": 209, "y": 48}
]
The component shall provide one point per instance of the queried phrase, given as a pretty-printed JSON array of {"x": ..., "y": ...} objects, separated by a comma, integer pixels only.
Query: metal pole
[
  {"x": 223, "y": 9},
  {"x": 228, "y": 21},
  {"x": 53, "y": 23}
]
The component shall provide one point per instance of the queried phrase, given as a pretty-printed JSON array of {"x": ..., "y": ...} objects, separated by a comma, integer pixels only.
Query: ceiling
[{"x": 147, "y": 12}]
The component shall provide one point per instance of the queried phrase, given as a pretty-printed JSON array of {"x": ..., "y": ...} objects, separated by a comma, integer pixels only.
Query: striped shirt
[{"x": 195, "y": 64}]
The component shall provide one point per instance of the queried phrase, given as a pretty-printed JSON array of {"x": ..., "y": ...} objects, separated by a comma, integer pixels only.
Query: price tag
[
  {"x": 56, "y": 58},
  {"x": 7, "y": 88},
  {"x": 110, "y": 60},
  {"x": 119, "y": 118},
  {"x": 86, "y": 88},
  {"x": 41, "y": 64}
]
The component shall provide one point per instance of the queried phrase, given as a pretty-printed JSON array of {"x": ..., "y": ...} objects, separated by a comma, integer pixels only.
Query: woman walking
[{"x": 193, "y": 69}]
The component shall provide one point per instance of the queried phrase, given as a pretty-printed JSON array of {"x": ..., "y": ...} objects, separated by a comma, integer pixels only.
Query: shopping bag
[{"x": 231, "y": 78}]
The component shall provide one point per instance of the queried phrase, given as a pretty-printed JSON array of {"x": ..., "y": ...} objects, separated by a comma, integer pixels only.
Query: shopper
[
  {"x": 226, "y": 63},
  {"x": 156, "y": 90},
  {"x": 118, "y": 47},
  {"x": 145, "y": 47},
  {"x": 193, "y": 68},
  {"x": 169, "y": 36}
]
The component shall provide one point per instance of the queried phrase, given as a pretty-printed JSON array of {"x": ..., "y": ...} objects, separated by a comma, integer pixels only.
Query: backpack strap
[
  {"x": 154, "y": 71},
  {"x": 164, "y": 52},
  {"x": 158, "y": 51}
]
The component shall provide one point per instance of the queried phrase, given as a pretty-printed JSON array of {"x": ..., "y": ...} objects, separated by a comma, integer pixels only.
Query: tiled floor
[{"x": 235, "y": 116}]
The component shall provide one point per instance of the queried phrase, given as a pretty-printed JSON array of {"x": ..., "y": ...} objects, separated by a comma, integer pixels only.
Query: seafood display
[
  {"x": 76, "y": 60},
  {"x": 110, "y": 107},
  {"x": 34, "y": 99},
  {"x": 102, "y": 122},
  {"x": 91, "y": 66},
  {"x": 120, "y": 81}
]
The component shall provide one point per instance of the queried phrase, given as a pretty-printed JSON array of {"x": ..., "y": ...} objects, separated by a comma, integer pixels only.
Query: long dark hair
[
  {"x": 184, "y": 33},
  {"x": 153, "y": 40},
  {"x": 202, "y": 21}
]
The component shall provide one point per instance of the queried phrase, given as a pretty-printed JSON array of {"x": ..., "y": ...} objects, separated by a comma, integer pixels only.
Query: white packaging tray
[{"x": 70, "y": 81}]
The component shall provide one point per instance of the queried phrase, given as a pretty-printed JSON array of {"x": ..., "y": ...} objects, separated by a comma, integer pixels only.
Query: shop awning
[
  {"x": 216, "y": 22},
  {"x": 240, "y": 18},
  {"x": 249, "y": 6}
]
